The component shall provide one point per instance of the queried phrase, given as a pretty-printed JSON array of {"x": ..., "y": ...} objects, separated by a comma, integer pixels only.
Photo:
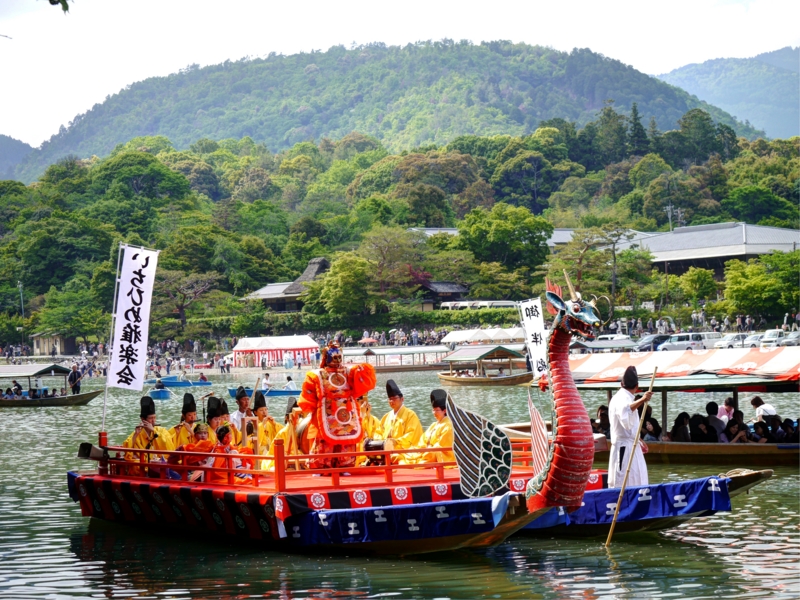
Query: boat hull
[
  {"x": 579, "y": 525},
  {"x": 70, "y": 400},
  {"x": 519, "y": 379},
  {"x": 395, "y": 523},
  {"x": 159, "y": 394}
]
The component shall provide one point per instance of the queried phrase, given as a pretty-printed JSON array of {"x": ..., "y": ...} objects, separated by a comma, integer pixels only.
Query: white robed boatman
[{"x": 622, "y": 412}]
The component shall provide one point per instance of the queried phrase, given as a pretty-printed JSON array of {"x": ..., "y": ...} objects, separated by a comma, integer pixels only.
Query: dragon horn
[
  {"x": 593, "y": 301},
  {"x": 572, "y": 294}
]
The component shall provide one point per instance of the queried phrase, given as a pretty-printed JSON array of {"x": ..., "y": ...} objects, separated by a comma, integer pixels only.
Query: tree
[
  {"x": 496, "y": 283},
  {"x": 700, "y": 135},
  {"x": 754, "y": 203},
  {"x": 389, "y": 251},
  {"x": 345, "y": 288},
  {"x": 140, "y": 174},
  {"x": 698, "y": 284},
  {"x": 427, "y": 204},
  {"x": 587, "y": 266},
  {"x": 648, "y": 169},
  {"x": 638, "y": 144},
  {"x": 509, "y": 235},
  {"x": 73, "y": 312},
  {"x": 612, "y": 136},
  {"x": 612, "y": 236},
  {"x": 524, "y": 180},
  {"x": 753, "y": 289},
  {"x": 176, "y": 291},
  {"x": 298, "y": 251}
]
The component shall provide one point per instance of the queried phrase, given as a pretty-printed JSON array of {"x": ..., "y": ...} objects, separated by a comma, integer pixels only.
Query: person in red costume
[{"x": 329, "y": 395}]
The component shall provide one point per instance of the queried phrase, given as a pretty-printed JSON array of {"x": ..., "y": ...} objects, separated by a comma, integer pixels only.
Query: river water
[{"x": 47, "y": 550}]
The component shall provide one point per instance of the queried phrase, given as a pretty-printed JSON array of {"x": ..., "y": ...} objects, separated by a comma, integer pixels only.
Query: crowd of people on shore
[{"x": 721, "y": 424}]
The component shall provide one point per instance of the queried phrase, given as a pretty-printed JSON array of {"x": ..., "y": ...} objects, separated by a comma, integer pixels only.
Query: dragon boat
[
  {"x": 493, "y": 489},
  {"x": 649, "y": 508}
]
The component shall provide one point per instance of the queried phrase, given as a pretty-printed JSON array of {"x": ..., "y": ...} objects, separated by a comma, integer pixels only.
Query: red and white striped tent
[
  {"x": 250, "y": 351},
  {"x": 780, "y": 364}
]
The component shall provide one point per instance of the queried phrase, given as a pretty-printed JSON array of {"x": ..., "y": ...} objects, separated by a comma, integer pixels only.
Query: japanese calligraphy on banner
[
  {"x": 132, "y": 319},
  {"x": 535, "y": 335}
]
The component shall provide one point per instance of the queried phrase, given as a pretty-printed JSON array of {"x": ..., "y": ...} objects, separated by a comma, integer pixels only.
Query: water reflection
[{"x": 47, "y": 550}]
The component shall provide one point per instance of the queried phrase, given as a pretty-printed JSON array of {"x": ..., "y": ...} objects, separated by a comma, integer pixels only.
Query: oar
[{"x": 630, "y": 462}]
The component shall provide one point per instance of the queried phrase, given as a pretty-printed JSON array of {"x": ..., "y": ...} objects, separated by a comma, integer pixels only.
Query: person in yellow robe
[
  {"x": 369, "y": 423},
  {"x": 288, "y": 433},
  {"x": 438, "y": 435},
  {"x": 183, "y": 432},
  {"x": 148, "y": 436},
  {"x": 267, "y": 427},
  {"x": 400, "y": 424}
]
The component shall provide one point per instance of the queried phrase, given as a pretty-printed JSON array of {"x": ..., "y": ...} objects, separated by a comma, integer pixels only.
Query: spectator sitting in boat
[
  {"x": 159, "y": 384},
  {"x": 725, "y": 411},
  {"x": 602, "y": 424},
  {"x": 762, "y": 434},
  {"x": 712, "y": 409},
  {"x": 700, "y": 431},
  {"x": 438, "y": 435},
  {"x": 266, "y": 384},
  {"x": 762, "y": 408},
  {"x": 775, "y": 424},
  {"x": 63, "y": 392},
  {"x": 680, "y": 429},
  {"x": 9, "y": 395},
  {"x": 792, "y": 432},
  {"x": 500, "y": 372},
  {"x": 652, "y": 430},
  {"x": 16, "y": 387},
  {"x": 290, "y": 384},
  {"x": 202, "y": 377},
  {"x": 733, "y": 434}
]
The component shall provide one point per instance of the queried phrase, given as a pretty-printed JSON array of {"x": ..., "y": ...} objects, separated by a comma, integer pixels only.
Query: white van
[
  {"x": 772, "y": 337},
  {"x": 694, "y": 341}
]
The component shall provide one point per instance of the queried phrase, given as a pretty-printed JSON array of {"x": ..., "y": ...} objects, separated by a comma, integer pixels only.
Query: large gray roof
[
  {"x": 719, "y": 240},
  {"x": 271, "y": 290}
]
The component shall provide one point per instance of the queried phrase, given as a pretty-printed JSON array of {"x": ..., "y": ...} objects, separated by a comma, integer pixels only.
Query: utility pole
[
  {"x": 679, "y": 214},
  {"x": 668, "y": 209},
  {"x": 21, "y": 302}
]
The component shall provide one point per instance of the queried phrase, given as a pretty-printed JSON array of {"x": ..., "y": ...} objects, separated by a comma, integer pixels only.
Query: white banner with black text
[
  {"x": 535, "y": 335},
  {"x": 132, "y": 318}
]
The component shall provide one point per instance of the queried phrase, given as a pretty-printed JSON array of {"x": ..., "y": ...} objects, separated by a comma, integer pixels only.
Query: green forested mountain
[
  {"x": 425, "y": 93},
  {"x": 764, "y": 90},
  {"x": 11, "y": 153}
]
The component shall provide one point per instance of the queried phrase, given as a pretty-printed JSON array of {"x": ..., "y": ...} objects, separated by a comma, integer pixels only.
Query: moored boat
[
  {"x": 271, "y": 392},
  {"x": 13, "y": 372},
  {"x": 159, "y": 394},
  {"x": 68, "y": 400},
  {"x": 486, "y": 358}
]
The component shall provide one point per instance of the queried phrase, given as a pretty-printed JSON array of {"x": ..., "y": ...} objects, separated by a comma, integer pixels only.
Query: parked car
[
  {"x": 612, "y": 337},
  {"x": 651, "y": 342},
  {"x": 732, "y": 340},
  {"x": 752, "y": 341},
  {"x": 772, "y": 337},
  {"x": 791, "y": 339},
  {"x": 693, "y": 341}
]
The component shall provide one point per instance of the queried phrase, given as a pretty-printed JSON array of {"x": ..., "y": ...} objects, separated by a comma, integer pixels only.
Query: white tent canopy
[
  {"x": 250, "y": 351},
  {"x": 467, "y": 335},
  {"x": 498, "y": 335}
]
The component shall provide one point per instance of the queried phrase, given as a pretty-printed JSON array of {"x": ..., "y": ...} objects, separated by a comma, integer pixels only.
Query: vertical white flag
[
  {"x": 132, "y": 318},
  {"x": 535, "y": 335}
]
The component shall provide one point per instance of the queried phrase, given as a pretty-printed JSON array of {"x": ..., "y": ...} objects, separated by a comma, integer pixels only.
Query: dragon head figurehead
[{"x": 575, "y": 316}]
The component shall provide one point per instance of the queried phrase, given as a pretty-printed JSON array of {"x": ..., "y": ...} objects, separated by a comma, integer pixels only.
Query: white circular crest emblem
[
  {"x": 154, "y": 508},
  {"x": 199, "y": 503},
  {"x": 264, "y": 525},
  {"x": 220, "y": 505},
  {"x": 240, "y": 522},
  {"x": 217, "y": 518},
  {"x": 318, "y": 500},
  {"x": 119, "y": 495},
  {"x": 519, "y": 484},
  {"x": 593, "y": 478},
  {"x": 82, "y": 489},
  {"x": 157, "y": 497},
  {"x": 244, "y": 510},
  {"x": 401, "y": 493},
  {"x": 97, "y": 505},
  {"x": 177, "y": 499},
  {"x": 138, "y": 497},
  {"x": 101, "y": 494},
  {"x": 177, "y": 511},
  {"x": 440, "y": 489},
  {"x": 360, "y": 496},
  {"x": 115, "y": 506},
  {"x": 270, "y": 512},
  {"x": 136, "y": 508}
]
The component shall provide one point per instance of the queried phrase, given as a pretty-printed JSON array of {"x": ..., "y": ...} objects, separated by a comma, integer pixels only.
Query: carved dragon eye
[{"x": 576, "y": 309}]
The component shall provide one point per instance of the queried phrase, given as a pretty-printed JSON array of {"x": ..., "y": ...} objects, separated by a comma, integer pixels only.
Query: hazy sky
[{"x": 57, "y": 66}]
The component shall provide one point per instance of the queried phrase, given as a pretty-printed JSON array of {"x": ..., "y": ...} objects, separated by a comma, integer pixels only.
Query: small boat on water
[
  {"x": 12, "y": 372},
  {"x": 271, "y": 392},
  {"x": 159, "y": 394},
  {"x": 174, "y": 382},
  {"x": 487, "y": 358},
  {"x": 646, "y": 508}
]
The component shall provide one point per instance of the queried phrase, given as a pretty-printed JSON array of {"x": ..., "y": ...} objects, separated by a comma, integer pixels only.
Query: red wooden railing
[{"x": 120, "y": 466}]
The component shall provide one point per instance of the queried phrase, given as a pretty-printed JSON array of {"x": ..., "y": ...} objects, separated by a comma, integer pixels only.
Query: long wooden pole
[{"x": 630, "y": 462}]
